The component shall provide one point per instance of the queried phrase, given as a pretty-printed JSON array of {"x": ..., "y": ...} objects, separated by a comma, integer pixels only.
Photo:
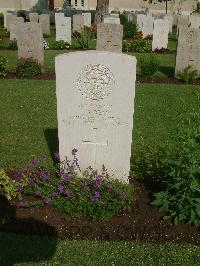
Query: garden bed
[{"x": 143, "y": 222}]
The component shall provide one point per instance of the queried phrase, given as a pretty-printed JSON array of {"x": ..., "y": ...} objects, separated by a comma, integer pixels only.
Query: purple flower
[
  {"x": 74, "y": 151},
  {"x": 35, "y": 161},
  {"x": 122, "y": 194},
  {"x": 67, "y": 179},
  {"x": 20, "y": 204},
  {"x": 56, "y": 155},
  {"x": 44, "y": 176},
  {"x": 99, "y": 178},
  {"x": 30, "y": 181},
  {"x": 60, "y": 188},
  {"x": 66, "y": 193},
  {"x": 110, "y": 186},
  {"x": 55, "y": 194},
  {"x": 37, "y": 193},
  {"x": 96, "y": 196},
  {"x": 98, "y": 185},
  {"x": 46, "y": 200}
]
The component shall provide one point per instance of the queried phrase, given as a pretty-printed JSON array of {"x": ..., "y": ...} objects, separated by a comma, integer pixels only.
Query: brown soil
[{"x": 143, "y": 222}]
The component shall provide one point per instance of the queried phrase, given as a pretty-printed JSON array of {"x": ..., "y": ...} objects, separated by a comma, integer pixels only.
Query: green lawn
[
  {"x": 32, "y": 250},
  {"x": 28, "y": 124}
]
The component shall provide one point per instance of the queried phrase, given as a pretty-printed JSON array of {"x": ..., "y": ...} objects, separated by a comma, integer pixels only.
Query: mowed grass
[
  {"x": 28, "y": 117},
  {"x": 35, "y": 250}
]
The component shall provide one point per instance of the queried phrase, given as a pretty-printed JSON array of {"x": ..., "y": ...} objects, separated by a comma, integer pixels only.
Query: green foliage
[
  {"x": 174, "y": 170},
  {"x": 1, "y": 19},
  {"x": 148, "y": 65},
  {"x": 3, "y": 66},
  {"x": 188, "y": 75},
  {"x": 12, "y": 45},
  {"x": 130, "y": 30},
  {"x": 137, "y": 46},
  {"x": 7, "y": 186},
  {"x": 22, "y": 13},
  {"x": 28, "y": 68},
  {"x": 123, "y": 19},
  {"x": 61, "y": 45},
  {"x": 84, "y": 37}
]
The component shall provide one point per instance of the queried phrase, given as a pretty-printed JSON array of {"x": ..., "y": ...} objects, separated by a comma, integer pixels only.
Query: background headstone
[
  {"x": 9, "y": 19},
  {"x": 195, "y": 21},
  {"x": 188, "y": 50},
  {"x": 111, "y": 20},
  {"x": 140, "y": 18},
  {"x": 95, "y": 105},
  {"x": 170, "y": 20},
  {"x": 109, "y": 37},
  {"x": 58, "y": 16},
  {"x": 147, "y": 26},
  {"x": 63, "y": 29},
  {"x": 30, "y": 42},
  {"x": 87, "y": 19},
  {"x": 14, "y": 26},
  {"x": 160, "y": 34},
  {"x": 78, "y": 22},
  {"x": 34, "y": 17},
  {"x": 44, "y": 20}
]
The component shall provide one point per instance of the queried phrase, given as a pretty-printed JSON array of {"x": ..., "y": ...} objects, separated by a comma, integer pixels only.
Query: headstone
[
  {"x": 195, "y": 21},
  {"x": 9, "y": 19},
  {"x": 34, "y": 17},
  {"x": 58, "y": 16},
  {"x": 78, "y": 22},
  {"x": 44, "y": 20},
  {"x": 87, "y": 19},
  {"x": 188, "y": 50},
  {"x": 30, "y": 42},
  {"x": 14, "y": 26},
  {"x": 109, "y": 37},
  {"x": 170, "y": 20},
  {"x": 147, "y": 26},
  {"x": 140, "y": 18},
  {"x": 160, "y": 34},
  {"x": 111, "y": 20},
  {"x": 63, "y": 29},
  {"x": 6, "y": 19},
  {"x": 95, "y": 106}
]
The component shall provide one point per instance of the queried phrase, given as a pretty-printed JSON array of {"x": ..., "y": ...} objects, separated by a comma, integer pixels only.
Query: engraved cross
[{"x": 95, "y": 143}]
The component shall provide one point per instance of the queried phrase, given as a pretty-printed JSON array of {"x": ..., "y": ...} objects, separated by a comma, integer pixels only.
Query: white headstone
[
  {"x": 140, "y": 18},
  {"x": 111, "y": 20},
  {"x": 58, "y": 16},
  {"x": 160, "y": 34},
  {"x": 109, "y": 37},
  {"x": 170, "y": 20},
  {"x": 95, "y": 106},
  {"x": 63, "y": 29},
  {"x": 34, "y": 17},
  {"x": 188, "y": 50},
  {"x": 44, "y": 20},
  {"x": 87, "y": 19},
  {"x": 14, "y": 26},
  {"x": 30, "y": 42},
  {"x": 10, "y": 19},
  {"x": 147, "y": 26},
  {"x": 78, "y": 22},
  {"x": 195, "y": 21}
]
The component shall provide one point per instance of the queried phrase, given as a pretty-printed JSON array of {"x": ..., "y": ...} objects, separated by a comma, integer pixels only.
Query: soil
[
  {"x": 143, "y": 222},
  {"x": 140, "y": 79}
]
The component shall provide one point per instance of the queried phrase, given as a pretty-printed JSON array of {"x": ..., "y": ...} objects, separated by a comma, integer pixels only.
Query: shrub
[
  {"x": 137, "y": 46},
  {"x": 12, "y": 45},
  {"x": 3, "y": 66},
  {"x": 7, "y": 186},
  {"x": 1, "y": 19},
  {"x": 130, "y": 30},
  {"x": 174, "y": 170},
  {"x": 188, "y": 75},
  {"x": 28, "y": 68},
  {"x": 148, "y": 65},
  {"x": 93, "y": 195},
  {"x": 61, "y": 45},
  {"x": 84, "y": 37}
]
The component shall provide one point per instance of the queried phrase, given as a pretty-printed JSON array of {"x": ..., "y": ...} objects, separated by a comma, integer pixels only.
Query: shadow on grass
[
  {"x": 168, "y": 71},
  {"x": 51, "y": 136},
  {"x": 23, "y": 240}
]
